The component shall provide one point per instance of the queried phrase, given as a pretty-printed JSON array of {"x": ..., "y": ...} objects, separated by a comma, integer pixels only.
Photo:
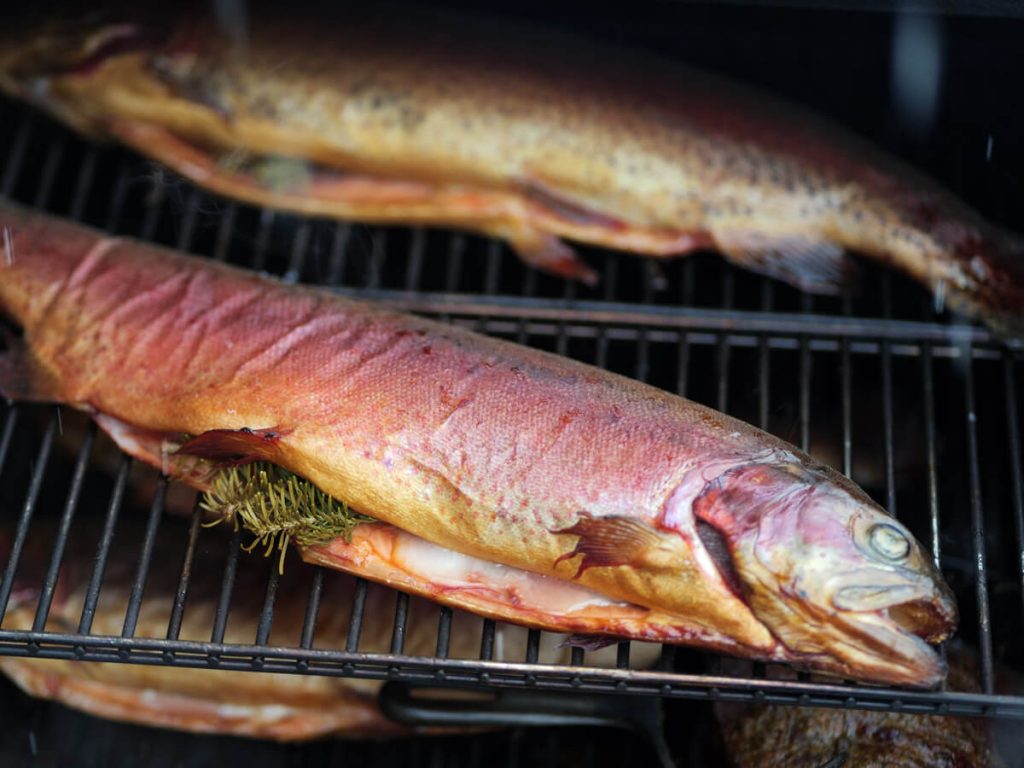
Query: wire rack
[{"x": 921, "y": 411}]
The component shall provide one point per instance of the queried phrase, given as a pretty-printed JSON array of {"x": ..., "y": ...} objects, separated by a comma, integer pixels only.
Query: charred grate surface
[{"x": 922, "y": 412}]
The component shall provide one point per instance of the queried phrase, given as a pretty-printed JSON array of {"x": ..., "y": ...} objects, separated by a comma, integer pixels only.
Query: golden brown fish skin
[
  {"x": 500, "y": 452},
  {"x": 524, "y": 136}
]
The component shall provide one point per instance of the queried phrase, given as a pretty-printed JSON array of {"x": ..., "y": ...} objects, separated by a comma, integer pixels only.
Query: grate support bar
[
  {"x": 511, "y": 674},
  {"x": 978, "y": 535},
  {"x": 731, "y": 321}
]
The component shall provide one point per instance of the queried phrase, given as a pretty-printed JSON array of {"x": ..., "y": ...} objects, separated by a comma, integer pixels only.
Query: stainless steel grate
[{"x": 921, "y": 412}]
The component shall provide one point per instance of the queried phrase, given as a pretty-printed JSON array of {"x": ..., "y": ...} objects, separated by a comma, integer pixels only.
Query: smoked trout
[
  {"x": 416, "y": 117},
  {"x": 509, "y": 481}
]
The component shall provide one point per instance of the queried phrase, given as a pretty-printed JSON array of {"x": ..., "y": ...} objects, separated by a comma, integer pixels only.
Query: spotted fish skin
[{"x": 412, "y": 117}]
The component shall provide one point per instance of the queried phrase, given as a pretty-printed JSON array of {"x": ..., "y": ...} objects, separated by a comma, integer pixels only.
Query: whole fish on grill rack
[
  {"x": 281, "y": 707},
  {"x": 509, "y": 481},
  {"x": 415, "y": 117}
]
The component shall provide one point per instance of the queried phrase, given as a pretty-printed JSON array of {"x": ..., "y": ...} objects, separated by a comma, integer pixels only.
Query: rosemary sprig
[{"x": 277, "y": 506}]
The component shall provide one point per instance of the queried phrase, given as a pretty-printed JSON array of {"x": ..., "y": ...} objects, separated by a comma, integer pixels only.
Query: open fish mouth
[
  {"x": 897, "y": 635},
  {"x": 915, "y": 603},
  {"x": 931, "y": 620},
  {"x": 929, "y": 613}
]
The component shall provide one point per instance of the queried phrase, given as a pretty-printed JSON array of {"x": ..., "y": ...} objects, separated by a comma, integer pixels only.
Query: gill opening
[
  {"x": 277, "y": 506},
  {"x": 717, "y": 547}
]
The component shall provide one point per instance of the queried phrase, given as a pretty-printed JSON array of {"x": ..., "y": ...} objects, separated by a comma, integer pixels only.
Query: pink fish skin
[
  {"x": 493, "y": 450},
  {"x": 417, "y": 117}
]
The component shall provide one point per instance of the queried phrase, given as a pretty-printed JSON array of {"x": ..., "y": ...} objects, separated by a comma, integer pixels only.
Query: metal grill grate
[{"x": 922, "y": 413}]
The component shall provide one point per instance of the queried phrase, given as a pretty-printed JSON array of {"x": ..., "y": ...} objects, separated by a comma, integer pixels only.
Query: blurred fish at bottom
[
  {"x": 282, "y": 707},
  {"x": 808, "y": 737}
]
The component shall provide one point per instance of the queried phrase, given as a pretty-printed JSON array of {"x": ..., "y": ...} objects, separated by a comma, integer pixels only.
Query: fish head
[{"x": 830, "y": 573}]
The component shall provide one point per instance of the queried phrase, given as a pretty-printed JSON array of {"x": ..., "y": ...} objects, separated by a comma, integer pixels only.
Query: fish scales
[
  {"x": 498, "y": 452},
  {"x": 322, "y": 369}
]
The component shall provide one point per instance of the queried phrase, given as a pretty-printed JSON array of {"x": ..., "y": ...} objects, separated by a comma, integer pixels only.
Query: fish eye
[{"x": 889, "y": 541}]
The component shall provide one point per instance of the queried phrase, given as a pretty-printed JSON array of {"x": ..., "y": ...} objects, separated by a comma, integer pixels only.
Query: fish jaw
[{"x": 832, "y": 576}]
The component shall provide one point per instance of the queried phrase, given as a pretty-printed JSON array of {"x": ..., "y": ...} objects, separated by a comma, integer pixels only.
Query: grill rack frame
[{"x": 528, "y": 315}]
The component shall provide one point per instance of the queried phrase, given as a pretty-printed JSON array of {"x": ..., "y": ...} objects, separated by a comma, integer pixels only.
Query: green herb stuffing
[{"x": 278, "y": 506}]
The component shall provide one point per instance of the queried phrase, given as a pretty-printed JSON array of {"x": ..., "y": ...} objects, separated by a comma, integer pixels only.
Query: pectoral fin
[
  {"x": 809, "y": 263},
  {"x": 614, "y": 541},
  {"x": 233, "y": 447}
]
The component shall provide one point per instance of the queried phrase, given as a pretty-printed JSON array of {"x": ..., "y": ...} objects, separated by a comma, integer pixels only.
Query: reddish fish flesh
[
  {"x": 261, "y": 705},
  {"x": 416, "y": 117},
  {"x": 664, "y": 519}
]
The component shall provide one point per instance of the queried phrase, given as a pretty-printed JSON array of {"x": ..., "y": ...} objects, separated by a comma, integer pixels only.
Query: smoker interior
[{"x": 920, "y": 408}]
